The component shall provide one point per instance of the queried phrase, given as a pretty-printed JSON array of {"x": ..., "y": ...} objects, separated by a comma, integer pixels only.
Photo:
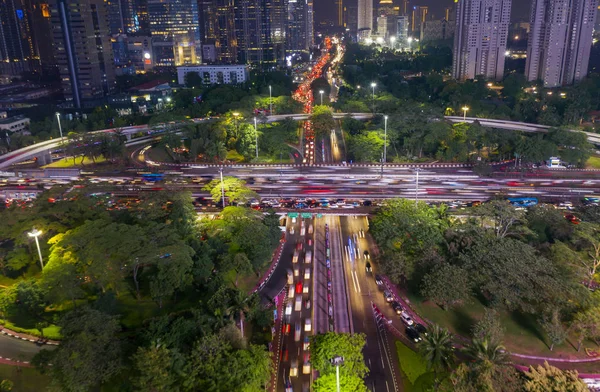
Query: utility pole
[{"x": 385, "y": 118}]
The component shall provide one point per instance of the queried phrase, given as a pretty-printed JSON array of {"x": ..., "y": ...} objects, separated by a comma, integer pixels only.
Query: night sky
[{"x": 325, "y": 9}]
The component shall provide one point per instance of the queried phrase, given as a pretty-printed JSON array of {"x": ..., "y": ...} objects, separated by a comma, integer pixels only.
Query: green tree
[
  {"x": 348, "y": 382},
  {"x": 549, "y": 378},
  {"x": 6, "y": 386},
  {"x": 485, "y": 356},
  {"x": 554, "y": 329},
  {"x": 62, "y": 282},
  {"x": 173, "y": 272},
  {"x": 435, "y": 286},
  {"x": 366, "y": 147},
  {"x": 586, "y": 324},
  {"x": 156, "y": 368},
  {"x": 488, "y": 327},
  {"x": 235, "y": 190},
  {"x": 506, "y": 217},
  {"x": 326, "y": 346},
  {"x": 89, "y": 354},
  {"x": 589, "y": 236},
  {"x": 437, "y": 349},
  {"x": 322, "y": 121}
]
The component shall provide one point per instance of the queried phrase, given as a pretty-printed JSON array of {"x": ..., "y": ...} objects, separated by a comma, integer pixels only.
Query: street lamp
[
  {"x": 235, "y": 120},
  {"x": 393, "y": 41},
  {"x": 59, "y": 126},
  {"x": 373, "y": 85},
  {"x": 256, "y": 133},
  {"x": 270, "y": 100},
  {"x": 35, "y": 233},
  {"x": 321, "y": 92},
  {"x": 385, "y": 118},
  {"x": 337, "y": 361},
  {"x": 465, "y": 108},
  {"x": 222, "y": 186}
]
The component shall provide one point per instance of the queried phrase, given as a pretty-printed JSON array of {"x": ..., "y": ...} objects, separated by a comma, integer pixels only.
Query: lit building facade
[
  {"x": 480, "y": 38},
  {"x": 365, "y": 18},
  {"x": 175, "y": 32},
  {"x": 83, "y": 50},
  {"x": 215, "y": 74},
  {"x": 560, "y": 40},
  {"x": 18, "y": 51},
  {"x": 297, "y": 24}
]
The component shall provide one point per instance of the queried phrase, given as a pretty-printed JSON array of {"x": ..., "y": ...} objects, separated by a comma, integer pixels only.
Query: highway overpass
[{"x": 42, "y": 150}]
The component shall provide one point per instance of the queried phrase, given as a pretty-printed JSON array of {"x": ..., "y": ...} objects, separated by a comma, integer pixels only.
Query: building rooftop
[
  {"x": 11, "y": 120},
  {"x": 149, "y": 85}
]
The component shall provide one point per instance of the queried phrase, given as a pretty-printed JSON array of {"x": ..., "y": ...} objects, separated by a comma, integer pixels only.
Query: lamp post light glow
[
  {"x": 222, "y": 186},
  {"x": 465, "y": 108},
  {"x": 59, "y": 126},
  {"x": 35, "y": 233},
  {"x": 321, "y": 92},
  {"x": 373, "y": 85},
  {"x": 393, "y": 41},
  {"x": 337, "y": 361}
]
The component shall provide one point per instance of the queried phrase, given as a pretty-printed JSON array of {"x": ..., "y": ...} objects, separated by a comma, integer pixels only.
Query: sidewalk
[
  {"x": 274, "y": 263},
  {"x": 23, "y": 336}
]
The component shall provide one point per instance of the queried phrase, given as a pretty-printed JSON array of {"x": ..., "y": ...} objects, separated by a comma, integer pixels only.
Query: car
[
  {"x": 406, "y": 319},
  {"x": 307, "y": 273},
  {"x": 298, "y": 304},
  {"x": 292, "y": 230},
  {"x": 309, "y": 242},
  {"x": 378, "y": 280},
  {"x": 307, "y": 304},
  {"x": 306, "y": 344},
  {"x": 294, "y": 368},
  {"x": 291, "y": 291},
  {"x": 573, "y": 219},
  {"x": 288, "y": 386},
  {"x": 299, "y": 288},
  {"x": 307, "y": 325},
  {"x": 297, "y": 332},
  {"x": 367, "y": 255},
  {"x": 290, "y": 277},
  {"x": 299, "y": 246},
  {"x": 389, "y": 297},
  {"x": 284, "y": 353},
  {"x": 296, "y": 270},
  {"x": 420, "y": 328},
  {"x": 413, "y": 334},
  {"x": 397, "y": 307},
  {"x": 288, "y": 309},
  {"x": 368, "y": 267},
  {"x": 286, "y": 329}
]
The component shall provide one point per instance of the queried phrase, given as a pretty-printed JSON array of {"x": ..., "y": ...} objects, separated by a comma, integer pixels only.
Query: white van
[
  {"x": 298, "y": 304},
  {"x": 308, "y": 257},
  {"x": 291, "y": 292}
]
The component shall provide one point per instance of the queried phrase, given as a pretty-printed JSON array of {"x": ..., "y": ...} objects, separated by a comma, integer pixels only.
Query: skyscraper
[
  {"x": 253, "y": 31},
  {"x": 18, "y": 52},
  {"x": 419, "y": 16},
  {"x": 83, "y": 50},
  {"x": 365, "y": 18},
  {"x": 339, "y": 6},
  {"x": 175, "y": 32},
  {"x": 297, "y": 25},
  {"x": 560, "y": 40},
  {"x": 480, "y": 38}
]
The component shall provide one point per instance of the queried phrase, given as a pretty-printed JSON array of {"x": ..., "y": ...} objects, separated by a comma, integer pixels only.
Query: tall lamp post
[
  {"x": 256, "y": 133},
  {"x": 393, "y": 41},
  {"x": 373, "y": 85},
  {"x": 321, "y": 92},
  {"x": 35, "y": 233},
  {"x": 237, "y": 124},
  {"x": 337, "y": 361},
  {"x": 59, "y": 126},
  {"x": 222, "y": 186},
  {"x": 270, "y": 101},
  {"x": 465, "y": 108},
  {"x": 385, "y": 118}
]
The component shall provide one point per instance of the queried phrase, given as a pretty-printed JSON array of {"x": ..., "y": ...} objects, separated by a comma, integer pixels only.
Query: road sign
[
  {"x": 306, "y": 215},
  {"x": 319, "y": 215},
  {"x": 292, "y": 214}
]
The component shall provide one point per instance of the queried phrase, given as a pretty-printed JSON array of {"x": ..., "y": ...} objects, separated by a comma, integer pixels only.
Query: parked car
[
  {"x": 397, "y": 307},
  {"x": 420, "y": 328}
]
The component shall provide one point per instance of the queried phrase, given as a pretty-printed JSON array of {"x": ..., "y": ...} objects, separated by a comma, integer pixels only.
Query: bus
[
  {"x": 153, "y": 177},
  {"x": 523, "y": 201}
]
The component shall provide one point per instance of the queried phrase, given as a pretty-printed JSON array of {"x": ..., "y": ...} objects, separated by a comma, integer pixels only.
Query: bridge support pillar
[
  {"x": 128, "y": 136},
  {"x": 44, "y": 159}
]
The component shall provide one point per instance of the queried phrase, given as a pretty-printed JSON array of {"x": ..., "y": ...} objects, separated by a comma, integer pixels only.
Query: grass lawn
[
  {"x": 416, "y": 378},
  {"x": 593, "y": 163},
  {"x": 68, "y": 162},
  {"x": 233, "y": 155},
  {"x": 159, "y": 154},
  {"x": 523, "y": 334},
  {"x": 24, "y": 379}
]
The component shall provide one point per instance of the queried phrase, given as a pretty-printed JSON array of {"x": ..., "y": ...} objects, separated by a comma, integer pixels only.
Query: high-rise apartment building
[
  {"x": 18, "y": 51},
  {"x": 83, "y": 50},
  {"x": 175, "y": 32},
  {"x": 310, "y": 27},
  {"x": 560, "y": 40},
  {"x": 339, "y": 8},
  {"x": 365, "y": 18},
  {"x": 253, "y": 23},
  {"x": 480, "y": 38},
  {"x": 419, "y": 16},
  {"x": 296, "y": 25},
  {"x": 351, "y": 16}
]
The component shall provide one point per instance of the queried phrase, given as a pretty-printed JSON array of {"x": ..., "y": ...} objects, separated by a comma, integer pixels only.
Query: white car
[
  {"x": 288, "y": 309},
  {"x": 406, "y": 318},
  {"x": 294, "y": 368},
  {"x": 307, "y": 325}
]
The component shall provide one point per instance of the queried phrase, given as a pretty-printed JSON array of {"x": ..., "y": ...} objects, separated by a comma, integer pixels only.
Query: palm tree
[
  {"x": 486, "y": 355},
  {"x": 437, "y": 349}
]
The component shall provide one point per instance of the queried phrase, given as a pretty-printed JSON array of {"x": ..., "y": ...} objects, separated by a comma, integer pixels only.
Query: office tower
[
  {"x": 339, "y": 6},
  {"x": 419, "y": 16},
  {"x": 277, "y": 28},
  {"x": 18, "y": 52},
  {"x": 83, "y": 50},
  {"x": 217, "y": 31},
  {"x": 351, "y": 17},
  {"x": 296, "y": 26},
  {"x": 310, "y": 24},
  {"x": 404, "y": 8},
  {"x": 437, "y": 30},
  {"x": 480, "y": 38},
  {"x": 402, "y": 31},
  {"x": 253, "y": 23},
  {"x": 365, "y": 18},
  {"x": 42, "y": 34},
  {"x": 175, "y": 32},
  {"x": 560, "y": 40},
  {"x": 449, "y": 13}
]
